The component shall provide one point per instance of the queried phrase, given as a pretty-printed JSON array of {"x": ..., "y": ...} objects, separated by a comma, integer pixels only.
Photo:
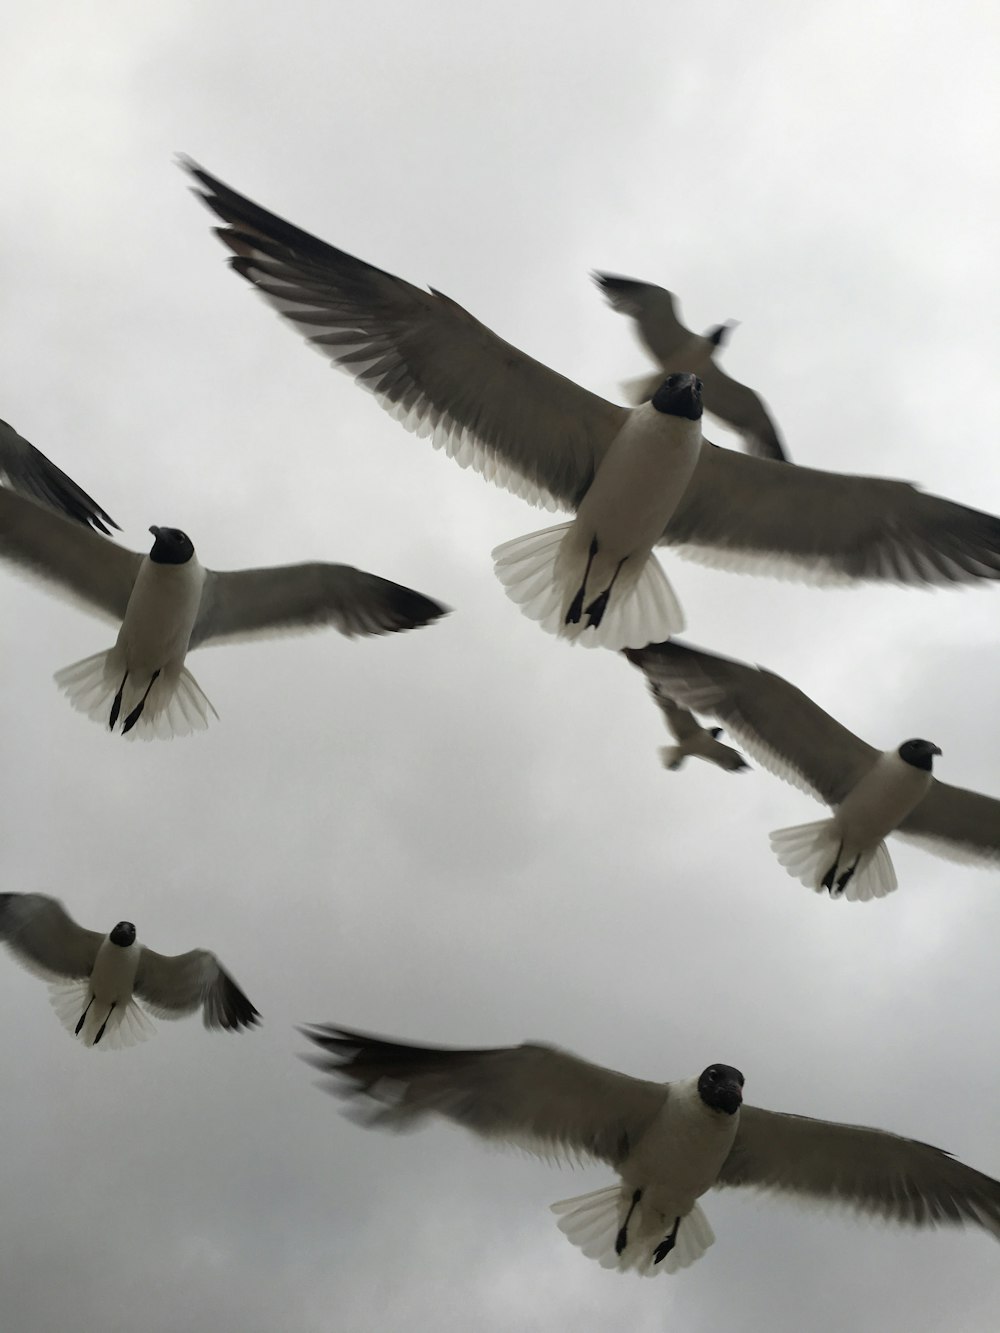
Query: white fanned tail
[
  {"x": 126, "y": 1026},
  {"x": 175, "y": 705},
  {"x": 641, "y": 389},
  {"x": 807, "y": 851},
  {"x": 592, "y": 1223},
  {"x": 642, "y": 607},
  {"x": 672, "y": 756}
]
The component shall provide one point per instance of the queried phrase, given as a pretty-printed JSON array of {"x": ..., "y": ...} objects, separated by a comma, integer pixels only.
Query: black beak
[
  {"x": 155, "y": 531},
  {"x": 729, "y": 1097}
]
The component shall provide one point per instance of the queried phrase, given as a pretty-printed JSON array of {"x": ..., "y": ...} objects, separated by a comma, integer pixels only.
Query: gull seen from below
[
  {"x": 693, "y": 740},
  {"x": 674, "y": 347},
  {"x": 167, "y": 604},
  {"x": 625, "y": 472},
  {"x": 873, "y": 793},
  {"x": 26, "y": 470},
  {"x": 96, "y": 980},
  {"x": 668, "y": 1142}
]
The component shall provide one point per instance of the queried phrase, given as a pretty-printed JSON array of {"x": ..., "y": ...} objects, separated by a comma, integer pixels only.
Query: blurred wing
[
  {"x": 532, "y": 1097},
  {"x": 870, "y": 1170},
  {"x": 28, "y": 471},
  {"x": 756, "y": 515},
  {"x": 959, "y": 824},
  {"x": 743, "y": 410},
  {"x": 654, "y": 311},
  {"x": 173, "y": 986},
  {"x": 427, "y": 361},
  {"x": 77, "y": 562},
  {"x": 44, "y": 937},
  {"x": 248, "y": 603},
  {"x": 775, "y": 723},
  {"x": 681, "y": 723}
]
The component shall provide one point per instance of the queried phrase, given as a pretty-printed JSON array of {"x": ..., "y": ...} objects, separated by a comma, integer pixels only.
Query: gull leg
[
  {"x": 621, "y": 1240},
  {"x": 83, "y": 1016},
  {"x": 827, "y": 880},
  {"x": 576, "y": 605},
  {"x": 136, "y": 712},
  {"x": 599, "y": 605},
  {"x": 844, "y": 879},
  {"x": 116, "y": 706},
  {"x": 667, "y": 1244},
  {"x": 100, "y": 1030}
]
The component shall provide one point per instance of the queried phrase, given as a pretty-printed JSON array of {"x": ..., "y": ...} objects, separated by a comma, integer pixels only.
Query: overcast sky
[{"x": 463, "y": 835}]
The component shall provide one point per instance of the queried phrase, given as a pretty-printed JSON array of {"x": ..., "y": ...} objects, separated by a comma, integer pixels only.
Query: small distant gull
[
  {"x": 26, "y": 470},
  {"x": 873, "y": 793},
  {"x": 166, "y": 604},
  {"x": 668, "y": 1142},
  {"x": 635, "y": 477},
  {"x": 693, "y": 740},
  {"x": 96, "y": 980},
  {"x": 675, "y": 347}
]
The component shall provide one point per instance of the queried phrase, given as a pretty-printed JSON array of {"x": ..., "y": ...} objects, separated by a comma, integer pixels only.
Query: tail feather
[
  {"x": 592, "y": 1222},
  {"x": 175, "y": 705},
  {"x": 807, "y": 851},
  {"x": 642, "y": 608},
  {"x": 126, "y": 1026},
  {"x": 672, "y": 756}
]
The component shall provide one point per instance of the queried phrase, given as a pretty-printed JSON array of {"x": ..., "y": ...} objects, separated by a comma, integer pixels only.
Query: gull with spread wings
[
  {"x": 636, "y": 477},
  {"x": 873, "y": 793},
  {"x": 96, "y": 980},
  {"x": 166, "y": 604},
  {"x": 668, "y": 1142}
]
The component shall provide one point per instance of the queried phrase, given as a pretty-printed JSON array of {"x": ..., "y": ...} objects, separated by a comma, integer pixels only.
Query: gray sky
[{"x": 462, "y": 835}]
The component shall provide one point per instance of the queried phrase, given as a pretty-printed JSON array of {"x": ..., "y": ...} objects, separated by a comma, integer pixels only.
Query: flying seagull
[
  {"x": 440, "y": 372},
  {"x": 693, "y": 740},
  {"x": 26, "y": 470},
  {"x": 873, "y": 793},
  {"x": 675, "y": 347},
  {"x": 668, "y": 1142},
  {"x": 95, "y": 980},
  {"x": 166, "y": 603}
]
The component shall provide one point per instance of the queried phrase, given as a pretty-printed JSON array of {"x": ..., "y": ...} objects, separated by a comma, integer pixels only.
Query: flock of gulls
[{"x": 634, "y": 479}]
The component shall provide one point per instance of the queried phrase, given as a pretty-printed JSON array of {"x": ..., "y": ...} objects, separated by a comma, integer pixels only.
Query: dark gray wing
[
  {"x": 248, "y": 603},
  {"x": 77, "y": 562},
  {"x": 742, "y": 410},
  {"x": 427, "y": 361},
  {"x": 959, "y": 824},
  {"x": 871, "y": 1170},
  {"x": 533, "y": 1097},
  {"x": 28, "y": 471},
  {"x": 776, "y": 723},
  {"x": 43, "y": 936},
  {"x": 654, "y": 311},
  {"x": 756, "y": 515},
  {"x": 173, "y": 986}
]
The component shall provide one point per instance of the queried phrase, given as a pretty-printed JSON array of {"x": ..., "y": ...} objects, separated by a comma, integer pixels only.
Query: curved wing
[
  {"x": 171, "y": 986},
  {"x": 681, "y": 722},
  {"x": 959, "y": 824},
  {"x": 77, "y": 562},
  {"x": 43, "y": 936},
  {"x": 871, "y": 1170},
  {"x": 776, "y": 723},
  {"x": 427, "y": 361},
  {"x": 534, "y": 1097},
  {"x": 743, "y": 410},
  {"x": 248, "y": 603},
  {"x": 654, "y": 311},
  {"x": 28, "y": 471},
  {"x": 753, "y": 514}
]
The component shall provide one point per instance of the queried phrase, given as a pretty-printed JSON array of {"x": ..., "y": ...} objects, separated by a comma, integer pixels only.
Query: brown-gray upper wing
[
  {"x": 44, "y": 937},
  {"x": 248, "y": 603},
  {"x": 766, "y": 517},
  {"x": 79, "y": 563},
  {"x": 28, "y": 471},
  {"x": 171, "y": 986},
  {"x": 654, "y": 311},
  {"x": 962, "y": 825},
  {"x": 743, "y": 410},
  {"x": 775, "y": 722},
  {"x": 427, "y": 361},
  {"x": 871, "y": 1170},
  {"x": 531, "y": 1096}
]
